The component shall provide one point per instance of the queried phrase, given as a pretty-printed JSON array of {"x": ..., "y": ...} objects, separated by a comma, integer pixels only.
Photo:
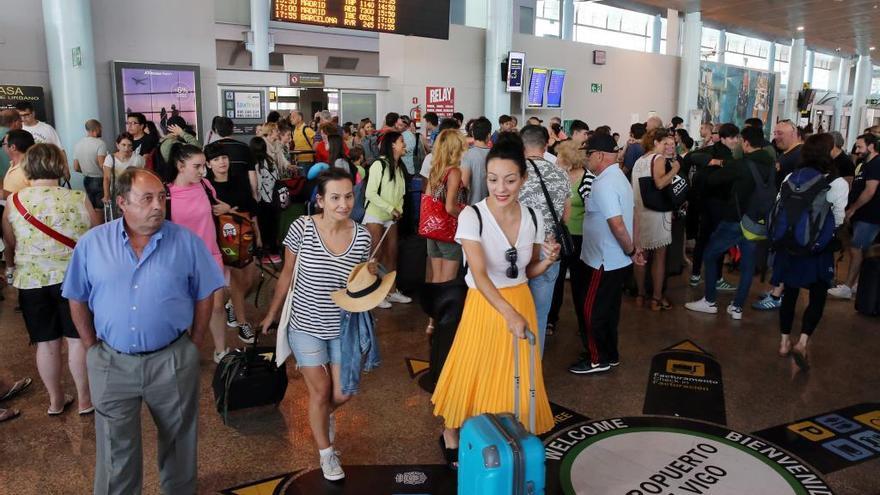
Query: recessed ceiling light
[
  {"x": 800, "y": 28},
  {"x": 872, "y": 48}
]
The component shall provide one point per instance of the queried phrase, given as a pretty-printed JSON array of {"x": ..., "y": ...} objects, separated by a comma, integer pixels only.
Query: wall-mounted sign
[
  {"x": 159, "y": 91},
  {"x": 306, "y": 80},
  {"x": 76, "y": 56},
  {"x": 428, "y": 18},
  {"x": 537, "y": 83},
  {"x": 554, "y": 88},
  {"x": 10, "y": 94},
  {"x": 243, "y": 104},
  {"x": 516, "y": 61},
  {"x": 440, "y": 100},
  {"x": 595, "y": 88},
  {"x": 599, "y": 57}
]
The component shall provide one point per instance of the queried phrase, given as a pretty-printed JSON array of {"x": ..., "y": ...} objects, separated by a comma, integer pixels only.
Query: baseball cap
[{"x": 601, "y": 142}]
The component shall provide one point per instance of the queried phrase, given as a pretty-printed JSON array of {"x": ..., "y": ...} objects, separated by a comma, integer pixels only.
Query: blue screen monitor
[
  {"x": 554, "y": 88},
  {"x": 537, "y": 83}
]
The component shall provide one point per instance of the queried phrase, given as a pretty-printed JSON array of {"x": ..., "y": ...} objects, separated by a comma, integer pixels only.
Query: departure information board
[{"x": 427, "y": 18}]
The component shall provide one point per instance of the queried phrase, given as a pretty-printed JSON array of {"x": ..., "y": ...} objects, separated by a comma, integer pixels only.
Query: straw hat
[{"x": 364, "y": 290}]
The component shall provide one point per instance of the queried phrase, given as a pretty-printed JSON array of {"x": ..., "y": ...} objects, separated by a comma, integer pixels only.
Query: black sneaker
[
  {"x": 246, "y": 333},
  {"x": 230, "y": 315},
  {"x": 614, "y": 363},
  {"x": 585, "y": 368}
]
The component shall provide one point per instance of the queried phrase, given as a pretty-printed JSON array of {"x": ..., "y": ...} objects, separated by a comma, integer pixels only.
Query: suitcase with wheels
[
  {"x": 248, "y": 378},
  {"x": 496, "y": 454},
  {"x": 868, "y": 294}
]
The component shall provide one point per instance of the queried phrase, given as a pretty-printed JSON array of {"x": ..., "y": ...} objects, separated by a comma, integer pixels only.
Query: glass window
[
  {"x": 747, "y": 52},
  {"x": 547, "y": 18},
  {"x": 709, "y": 44},
  {"x": 600, "y": 24},
  {"x": 822, "y": 72}
]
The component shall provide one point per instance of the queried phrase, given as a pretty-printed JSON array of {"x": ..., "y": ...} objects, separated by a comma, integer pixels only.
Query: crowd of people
[{"x": 512, "y": 211}]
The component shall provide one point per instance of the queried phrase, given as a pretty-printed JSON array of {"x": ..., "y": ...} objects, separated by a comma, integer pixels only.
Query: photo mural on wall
[{"x": 734, "y": 94}]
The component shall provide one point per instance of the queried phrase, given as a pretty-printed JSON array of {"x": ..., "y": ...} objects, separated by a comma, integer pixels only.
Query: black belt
[{"x": 147, "y": 353}]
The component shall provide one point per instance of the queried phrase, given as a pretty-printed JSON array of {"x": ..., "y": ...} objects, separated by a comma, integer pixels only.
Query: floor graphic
[
  {"x": 686, "y": 381},
  {"x": 268, "y": 486},
  {"x": 834, "y": 440},
  {"x": 419, "y": 371}
]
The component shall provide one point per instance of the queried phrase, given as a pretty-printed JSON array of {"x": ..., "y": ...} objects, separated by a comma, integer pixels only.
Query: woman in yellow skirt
[{"x": 502, "y": 242}]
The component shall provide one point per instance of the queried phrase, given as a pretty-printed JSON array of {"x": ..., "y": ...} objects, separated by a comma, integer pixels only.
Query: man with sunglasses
[
  {"x": 609, "y": 251},
  {"x": 42, "y": 132}
]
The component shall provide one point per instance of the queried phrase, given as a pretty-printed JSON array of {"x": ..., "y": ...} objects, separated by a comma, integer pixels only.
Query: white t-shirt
[
  {"x": 426, "y": 165},
  {"x": 135, "y": 161},
  {"x": 43, "y": 133},
  {"x": 495, "y": 243},
  {"x": 87, "y": 151}
]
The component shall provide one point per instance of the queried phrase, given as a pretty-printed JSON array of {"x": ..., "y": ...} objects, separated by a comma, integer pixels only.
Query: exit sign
[{"x": 595, "y": 88}]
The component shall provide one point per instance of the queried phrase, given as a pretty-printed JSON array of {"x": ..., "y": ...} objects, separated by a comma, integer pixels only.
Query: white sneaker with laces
[
  {"x": 230, "y": 315},
  {"x": 218, "y": 356},
  {"x": 702, "y": 306},
  {"x": 841, "y": 292},
  {"x": 384, "y": 304},
  {"x": 331, "y": 467},
  {"x": 397, "y": 297},
  {"x": 735, "y": 312}
]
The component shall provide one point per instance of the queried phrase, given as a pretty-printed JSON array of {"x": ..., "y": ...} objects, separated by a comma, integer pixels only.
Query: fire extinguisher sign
[{"x": 440, "y": 100}]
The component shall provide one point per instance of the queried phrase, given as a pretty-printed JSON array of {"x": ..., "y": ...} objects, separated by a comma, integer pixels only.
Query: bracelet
[{"x": 631, "y": 253}]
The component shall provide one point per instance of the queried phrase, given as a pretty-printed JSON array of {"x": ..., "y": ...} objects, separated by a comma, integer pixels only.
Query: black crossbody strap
[{"x": 546, "y": 193}]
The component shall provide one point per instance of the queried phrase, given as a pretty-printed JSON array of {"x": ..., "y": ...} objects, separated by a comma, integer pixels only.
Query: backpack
[
  {"x": 801, "y": 222},
  {"x": 755, "y": 218},
  {"x": 418, "y": 153},
  {"x": 360, "y": 194}
]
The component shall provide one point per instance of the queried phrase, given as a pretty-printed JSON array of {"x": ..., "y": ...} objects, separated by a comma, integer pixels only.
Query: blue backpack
[
  {"x": 801, "y": 222},
  {"x": 360, "y": 194}
]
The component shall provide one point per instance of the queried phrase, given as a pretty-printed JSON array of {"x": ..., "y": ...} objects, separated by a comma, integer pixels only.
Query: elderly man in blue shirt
[{"x": 140, "y": 295}]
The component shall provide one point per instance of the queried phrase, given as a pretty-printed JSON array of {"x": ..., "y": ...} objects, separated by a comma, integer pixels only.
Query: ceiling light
[
  {"x": 800, "y": 28},
  {"x": 872, "y": 48}
]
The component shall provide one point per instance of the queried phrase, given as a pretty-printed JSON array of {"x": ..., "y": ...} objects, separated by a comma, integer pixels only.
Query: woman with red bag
[{"x": 445, "y": 196}]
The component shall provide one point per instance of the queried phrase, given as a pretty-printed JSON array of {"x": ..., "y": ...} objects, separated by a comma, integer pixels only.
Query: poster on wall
[
  {"x": 440, "y": 100},
  {"x": 537, "y": 83},
  {"x": 554, "y": 88},
  {"x": 515, "y": 63},
  {"x": 159, "y": 91},
  {"x": 734, "y": 94},
  {"x": 12, "y": 94}
]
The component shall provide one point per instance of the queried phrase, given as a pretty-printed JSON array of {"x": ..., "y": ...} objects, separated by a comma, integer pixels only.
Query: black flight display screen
[{"x": 426, "y": 18}]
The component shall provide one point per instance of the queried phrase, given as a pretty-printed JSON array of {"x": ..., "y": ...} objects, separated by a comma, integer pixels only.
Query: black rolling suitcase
[
  {"x": 248, "y": 378},
  {"x": 868, "y": 294}
]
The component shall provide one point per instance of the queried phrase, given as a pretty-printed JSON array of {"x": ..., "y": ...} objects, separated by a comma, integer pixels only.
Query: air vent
[
  {"x": 276, "y": 59},
  {"x": 342, "y": 63}
]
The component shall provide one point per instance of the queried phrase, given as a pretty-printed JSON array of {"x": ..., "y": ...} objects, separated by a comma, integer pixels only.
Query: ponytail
[{"x": 180, "y": 152}]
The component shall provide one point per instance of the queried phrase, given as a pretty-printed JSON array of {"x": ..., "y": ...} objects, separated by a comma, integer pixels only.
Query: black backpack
[{"x": 755, "y": 219}]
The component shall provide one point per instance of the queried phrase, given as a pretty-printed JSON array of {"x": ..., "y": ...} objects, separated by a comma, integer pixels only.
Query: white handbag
[{"x": 282, "y": 345}]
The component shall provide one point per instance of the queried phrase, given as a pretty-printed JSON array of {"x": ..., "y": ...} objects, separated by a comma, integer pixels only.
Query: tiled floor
[{"x": 391, "y": 422}]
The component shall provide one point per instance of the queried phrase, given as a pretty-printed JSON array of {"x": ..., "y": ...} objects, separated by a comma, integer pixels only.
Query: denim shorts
[
  {"x": 864, "y": 234},
  {"x": 449, "y": 251},
  {"x": 312, "y": 351}
]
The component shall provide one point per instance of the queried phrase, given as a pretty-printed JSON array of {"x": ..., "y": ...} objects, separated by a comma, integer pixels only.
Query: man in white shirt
[
  {"x": 42, "y": 132},
  {"x": 88, "y": 159}
]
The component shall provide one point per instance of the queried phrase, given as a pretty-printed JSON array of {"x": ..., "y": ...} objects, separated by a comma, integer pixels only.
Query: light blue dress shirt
[
  {"x": 611, "y": 196},
  {"x": 141, "y": 305},
  {"x": 409, "y": 139}
]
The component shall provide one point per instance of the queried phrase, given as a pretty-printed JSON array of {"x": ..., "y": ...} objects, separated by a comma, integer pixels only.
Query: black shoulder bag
[
  {"x": 560, "y": 230},
  {"x": 667, "y": 199}
]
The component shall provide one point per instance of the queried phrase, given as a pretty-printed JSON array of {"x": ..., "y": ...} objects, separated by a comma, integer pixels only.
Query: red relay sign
[{"x": 440, "y": 100}]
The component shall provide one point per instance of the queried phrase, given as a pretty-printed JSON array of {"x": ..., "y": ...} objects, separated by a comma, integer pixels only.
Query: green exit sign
[
  {"x": 595, "y": 88},
  {"x": 76, "y": 56}
]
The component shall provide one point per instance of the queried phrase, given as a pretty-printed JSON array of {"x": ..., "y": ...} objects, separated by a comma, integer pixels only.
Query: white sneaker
[
  {"x": 331, "y": 468},
  {"x": 735, "y": 312},
  {"x": 230, "y": 315},
  {"x": 841, "y": 292},
  {"x": 702, "y": 306},
  {"x": 397, "y": 297},
  {"x": 384, "y": 304},
  {"x": 218, "y": 356}
]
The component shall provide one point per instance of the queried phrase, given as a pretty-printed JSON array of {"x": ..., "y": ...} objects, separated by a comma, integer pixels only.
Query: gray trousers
[{"x": 168, "y": 382}]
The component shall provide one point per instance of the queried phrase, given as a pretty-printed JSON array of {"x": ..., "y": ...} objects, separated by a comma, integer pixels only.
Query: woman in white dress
[{"x": 655, "y": 227}]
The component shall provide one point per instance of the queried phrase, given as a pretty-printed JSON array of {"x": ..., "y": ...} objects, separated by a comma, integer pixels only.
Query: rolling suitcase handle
[{"x": 530, "y": 337}]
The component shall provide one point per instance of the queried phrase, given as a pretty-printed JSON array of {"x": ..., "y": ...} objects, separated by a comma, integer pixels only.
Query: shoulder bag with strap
[
  {"x": 42, "y": 227},
  {"x": 282, "y": 345},
  {"x": 435, "y": 222},
  {"x": 560, "y": 230}
]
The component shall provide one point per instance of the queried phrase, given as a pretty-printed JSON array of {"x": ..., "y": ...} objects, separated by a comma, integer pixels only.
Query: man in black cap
[{"x": 608, "y": 251}]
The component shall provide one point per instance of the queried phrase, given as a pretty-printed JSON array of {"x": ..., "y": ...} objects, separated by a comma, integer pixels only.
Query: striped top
[{"x": 320, "y": 273}]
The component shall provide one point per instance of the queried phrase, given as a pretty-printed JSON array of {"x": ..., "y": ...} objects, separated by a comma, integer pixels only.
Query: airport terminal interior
[{"x": 699, "y": 313}]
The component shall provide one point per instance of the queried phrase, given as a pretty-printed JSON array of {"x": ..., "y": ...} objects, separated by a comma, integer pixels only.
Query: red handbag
[{"x": 435, "y": 222}]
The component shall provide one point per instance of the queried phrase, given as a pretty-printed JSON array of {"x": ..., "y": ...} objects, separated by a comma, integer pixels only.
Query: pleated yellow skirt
[{"x": 478, "y": 375}]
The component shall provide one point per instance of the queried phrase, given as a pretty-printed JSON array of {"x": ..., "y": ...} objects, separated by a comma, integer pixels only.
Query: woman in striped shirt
[{"x": 323, "y": 249}]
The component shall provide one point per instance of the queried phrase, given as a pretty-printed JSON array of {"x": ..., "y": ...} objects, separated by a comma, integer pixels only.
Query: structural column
[
  {"x": 861, "y": 90},
  {"x": 499, "y": 40},
  {"x": 259, "y": 42},
  {"x": 689, "y": 69},
  {"x": 657, "y": 34},
  {"x": 70, "y": 50},
  {"x": 811, "y": 61},
  {"x": 771, "y": 56},
  {"x": 843, "y": 69},
  {"x": 722, "y": 45},
  {"x": 673, "y": 43},
  {"x": 568, "y": 20},
  {"x": 795, "y": 79}
]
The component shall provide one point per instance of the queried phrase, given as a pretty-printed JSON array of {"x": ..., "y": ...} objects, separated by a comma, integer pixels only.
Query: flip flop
[
  {"x": 67, "y": 402},
  {"x": 8, "y": 414},
  {"x": 17, "y": 388},
  {"x": 87, "y": 411}
]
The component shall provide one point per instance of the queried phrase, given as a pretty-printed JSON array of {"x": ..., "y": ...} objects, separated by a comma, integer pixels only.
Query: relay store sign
[
  {"x": 440, "y": 100},
  {"x": 671, "y": 456}
]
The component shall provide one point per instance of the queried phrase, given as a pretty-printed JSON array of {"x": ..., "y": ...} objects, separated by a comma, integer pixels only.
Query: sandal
[
  {"x": 640, "y": 301},
  {"x": 7, "y": 414},
  {"x": 68, "y": 400},
  {"x": 665, "y": 304},
  {"x": 17, "y": 388},
  {"x": 656, "y": 305},
  {"x": 551, "y": 328},
  {"x": 450, "y": 455}
]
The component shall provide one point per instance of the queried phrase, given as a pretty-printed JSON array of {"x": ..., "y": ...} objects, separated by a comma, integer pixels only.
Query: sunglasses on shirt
[{"x": 511, "y": 256}]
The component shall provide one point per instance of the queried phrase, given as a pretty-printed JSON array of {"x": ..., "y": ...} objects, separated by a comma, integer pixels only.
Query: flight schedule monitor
[
  {"x": 554, "y": 88},
  {"x": 426, "y": 18},
  {"x": 537, "y": 83}
]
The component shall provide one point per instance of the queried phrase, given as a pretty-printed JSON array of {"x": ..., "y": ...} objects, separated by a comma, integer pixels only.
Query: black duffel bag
[
  {"x": 248, "y": 378},
  {"x": 868, "y": 295},
  {"x": 667, "y": 199}
]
